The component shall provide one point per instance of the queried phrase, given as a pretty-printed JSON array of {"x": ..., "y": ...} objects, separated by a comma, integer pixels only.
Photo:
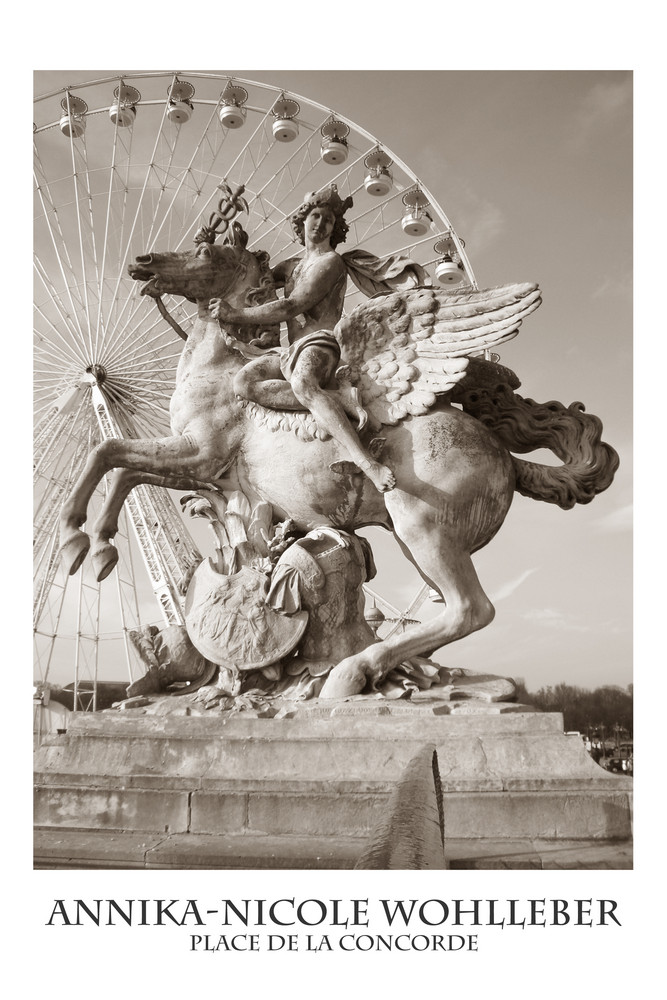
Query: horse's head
[{"x": 205, "y": 272}]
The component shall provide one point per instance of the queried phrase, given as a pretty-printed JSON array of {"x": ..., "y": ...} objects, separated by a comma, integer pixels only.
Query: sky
[{"x": 534, "y": 170}]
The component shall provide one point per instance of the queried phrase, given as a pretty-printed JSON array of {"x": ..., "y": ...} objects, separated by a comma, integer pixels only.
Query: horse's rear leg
[
  {"x": 163, "y": 456},
  {"x": 448, "y": 568}
]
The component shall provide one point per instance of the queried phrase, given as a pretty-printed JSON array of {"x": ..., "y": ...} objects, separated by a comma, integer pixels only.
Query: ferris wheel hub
[{"x": 98, "y": 372}]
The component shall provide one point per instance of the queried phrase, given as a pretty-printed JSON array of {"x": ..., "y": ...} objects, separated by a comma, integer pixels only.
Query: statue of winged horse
[{"x": 446, "y": 421}]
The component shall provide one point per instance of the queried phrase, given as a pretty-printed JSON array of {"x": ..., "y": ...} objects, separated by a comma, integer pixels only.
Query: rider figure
[{"x": 312, "y": 305}]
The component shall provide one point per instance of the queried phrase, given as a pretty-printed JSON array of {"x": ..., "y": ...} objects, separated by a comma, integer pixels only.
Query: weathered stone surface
[
  {"x": 111, "y": 808},
  {"x": 411, "y": 833},
  {"x": 547, "y": 813},
  {"x": 502, "y": 776},
  {"x": 101, "y": 849},
  {"x": 542, "y": 855}
]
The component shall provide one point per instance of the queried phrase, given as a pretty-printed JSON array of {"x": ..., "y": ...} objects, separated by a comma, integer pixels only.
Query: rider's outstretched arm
[{"x": 315, "y": 285}]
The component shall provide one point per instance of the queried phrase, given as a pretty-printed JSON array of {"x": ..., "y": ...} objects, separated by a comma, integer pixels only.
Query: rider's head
[{"x": 327, "y": 196}]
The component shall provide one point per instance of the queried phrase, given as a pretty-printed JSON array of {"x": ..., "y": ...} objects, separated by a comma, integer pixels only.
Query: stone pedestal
[{"x": 124, "y": 790}]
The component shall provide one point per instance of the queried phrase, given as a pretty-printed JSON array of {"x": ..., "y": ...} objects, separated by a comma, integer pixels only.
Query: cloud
[
  {"x": 604, "y": 105},
  {"x": 617, "y": 520},
  {"x": 478, "y": 219},
  {"x": 553, "y": 618},
  {"x": 506, "y": 589},
  {"x": 484, "y": 225},
  {"x": 619, "y": 285}
]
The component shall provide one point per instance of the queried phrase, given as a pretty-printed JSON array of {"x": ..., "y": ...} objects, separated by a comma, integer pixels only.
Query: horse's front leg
[
  {"x": 104, "y": 554},
  {"x": 172, "y": 456}
]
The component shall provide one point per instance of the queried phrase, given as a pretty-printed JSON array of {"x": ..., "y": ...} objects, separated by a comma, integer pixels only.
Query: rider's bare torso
[
  {"x": 325, "y": 313},
  {"x": 312, "y": 305}
]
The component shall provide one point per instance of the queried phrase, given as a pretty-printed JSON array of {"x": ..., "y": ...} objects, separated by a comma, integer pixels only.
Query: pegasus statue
[{"x": 445, "y": 421}]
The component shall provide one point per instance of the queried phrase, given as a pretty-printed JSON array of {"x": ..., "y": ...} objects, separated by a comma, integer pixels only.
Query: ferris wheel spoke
[
  {"x": 246, "y": 153},
  {"x": 148, "y": 398},
  {"x": 62, "y": 348},
  {"x": 137, "y": 216},
  {"x": 123, "y": 323},
  {"x": 63, "y": 263},
  {"x": 278, "y": 224},
  {"x": 134, "y": 381},
  {"x": 117, "y": 208},
  {"x": 136, "y": 325},
  {"x": 139, "y": 336},
  {"x": 55, "y": 365},
  {"x": 292, "y": 179},
  {"x": 50, "y": 384},
  {"x": 276, "y": 235},
  {"x": 63, "y": 315},
  {"x": 83, "y": 221},
  {"x": 129, "y": 330},
  {"x": 153, "y": 349},
  {"x": 163, "y": 175},
  {"x": 214, "y": 145},
  {"x": 121, "y": 149},
  {"x": 163, "y": 369},
  {"x": 55, "y": 357}
]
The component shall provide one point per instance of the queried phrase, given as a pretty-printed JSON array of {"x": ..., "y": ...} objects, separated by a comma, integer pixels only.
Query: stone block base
[{"x": 272, "y": 787}]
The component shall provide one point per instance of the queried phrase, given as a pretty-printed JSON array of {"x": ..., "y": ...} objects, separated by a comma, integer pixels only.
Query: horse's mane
[{"x": 300, "y": 423}]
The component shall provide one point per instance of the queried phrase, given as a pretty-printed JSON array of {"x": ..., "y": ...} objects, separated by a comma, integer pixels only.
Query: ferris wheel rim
[{"x": 448, "y": 229}]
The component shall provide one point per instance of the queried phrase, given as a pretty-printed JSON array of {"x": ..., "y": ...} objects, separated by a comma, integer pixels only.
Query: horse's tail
[{"x": 573, "y": 435}]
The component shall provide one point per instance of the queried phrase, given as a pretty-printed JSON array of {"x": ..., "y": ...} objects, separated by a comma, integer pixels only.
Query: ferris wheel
[{"x": 125, "y": 165}]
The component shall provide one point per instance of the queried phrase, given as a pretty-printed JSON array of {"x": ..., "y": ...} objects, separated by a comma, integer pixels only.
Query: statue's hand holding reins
[{"x": 221, "y": 310}]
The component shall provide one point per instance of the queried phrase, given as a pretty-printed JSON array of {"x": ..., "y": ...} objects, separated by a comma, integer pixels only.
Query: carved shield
[{"x": 230, "y": 623}]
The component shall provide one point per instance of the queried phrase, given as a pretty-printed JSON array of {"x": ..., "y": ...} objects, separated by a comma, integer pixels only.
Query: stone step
[
  {"x": 77, "y": 849},
  {"x": 314, "y": 809},
  {"x": 324, "y": 775},
  {"x": 295, "y": 808},
  {"x": 82, "y": 849},
  {"x": 544, "y": 855},
  {"x": 501, "y": 751}
]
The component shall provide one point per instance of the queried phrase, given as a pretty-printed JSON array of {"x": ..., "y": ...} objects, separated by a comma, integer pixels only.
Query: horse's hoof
[
  {"x": 74, "y": 551},
  {"x": 104, "y": 559},
  {"x": 345, "y": 680}
]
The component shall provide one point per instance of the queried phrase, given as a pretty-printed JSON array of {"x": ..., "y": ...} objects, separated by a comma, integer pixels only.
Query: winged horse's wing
[{"x": 406, "y": 348}]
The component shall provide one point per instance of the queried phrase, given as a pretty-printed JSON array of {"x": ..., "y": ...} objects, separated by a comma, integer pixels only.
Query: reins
[{"x": 219, "y": 221}]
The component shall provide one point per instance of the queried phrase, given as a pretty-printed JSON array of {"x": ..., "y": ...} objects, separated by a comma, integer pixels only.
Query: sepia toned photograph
[{"x": 333, "y": 471}]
